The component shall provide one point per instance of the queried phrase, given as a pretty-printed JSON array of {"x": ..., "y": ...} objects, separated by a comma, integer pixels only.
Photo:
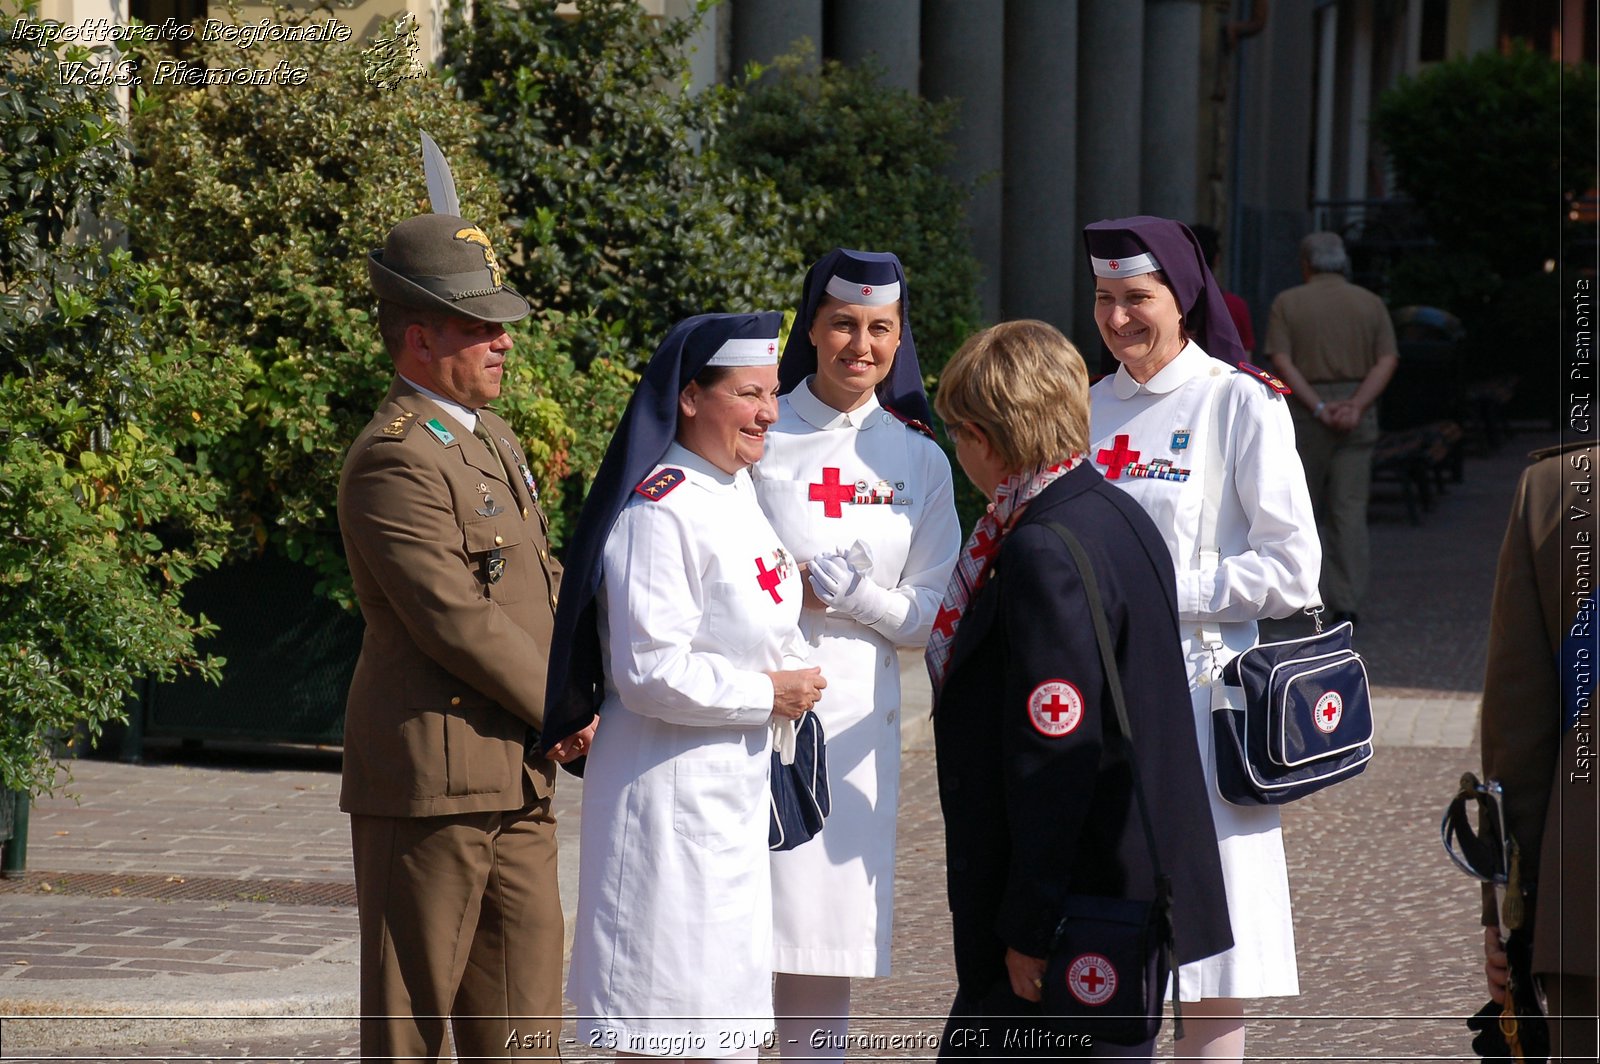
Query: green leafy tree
[
  {"x": 102, "y": 385},
  {"x": 865, "y": 164},
  {"x": 1495, "y": 151},
  {"x": 621, "y": 202},
  {"x": 262, "y": 206}
]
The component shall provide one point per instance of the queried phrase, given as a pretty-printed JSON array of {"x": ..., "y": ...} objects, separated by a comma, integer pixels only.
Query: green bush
[
  {"x": 865, "y": 164},
  {"x": 1482, "y": 144},
  {"x": 261, "y": 206},
  {"x": 620, "y": 201},
  {"x": 102, "y": 383}
]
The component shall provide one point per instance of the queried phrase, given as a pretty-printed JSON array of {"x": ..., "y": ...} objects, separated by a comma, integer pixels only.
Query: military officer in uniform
[
  {"x": 1537, "y": 732},
  {"x": 448, "y": 794}
]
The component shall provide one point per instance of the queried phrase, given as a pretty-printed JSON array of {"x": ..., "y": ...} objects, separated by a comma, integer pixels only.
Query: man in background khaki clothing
[
  {"x": 1538, "y": 735},
  {"x": 449, "y": 800},
  {"x": 1332, "y": 342}
]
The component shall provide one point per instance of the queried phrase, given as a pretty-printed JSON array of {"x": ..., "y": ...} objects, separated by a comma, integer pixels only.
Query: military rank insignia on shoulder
[
  {"x": 914, "y": 425},
  {"x": 398, "y": 427},
  {"x": 660, "y": 484},
  {"x": 1264, "y": 377}
]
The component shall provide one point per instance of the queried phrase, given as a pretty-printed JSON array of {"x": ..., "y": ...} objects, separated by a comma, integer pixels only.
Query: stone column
[
  {"x": 890, "y": 30},
  {"x": 1169, "y": 175},
  {"x": 765, "y": 29},
  {"x": 1040, "y": 256},
  {"x": 1110, "y": 111},
  {"x": 963, "y": 55}
]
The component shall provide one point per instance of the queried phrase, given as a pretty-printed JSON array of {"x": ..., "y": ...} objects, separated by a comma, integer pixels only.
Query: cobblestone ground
[{"x": 1385, "y": 927}]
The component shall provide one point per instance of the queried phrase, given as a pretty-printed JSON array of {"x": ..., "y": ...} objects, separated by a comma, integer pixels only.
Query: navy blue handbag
[
  {"x": 1306, "y": 721},
  {"x": 800, "y": 795}
]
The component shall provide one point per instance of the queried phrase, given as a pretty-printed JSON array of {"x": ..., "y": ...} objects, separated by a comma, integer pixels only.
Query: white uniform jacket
[
  {"x": 828, "y": 479},
  {"x": 672, "y": 946},
  {"x": 1150, "y": 440}
]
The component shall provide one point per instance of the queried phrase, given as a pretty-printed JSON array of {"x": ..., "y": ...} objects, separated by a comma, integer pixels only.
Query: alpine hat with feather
[{"x": 443, "y": 262}]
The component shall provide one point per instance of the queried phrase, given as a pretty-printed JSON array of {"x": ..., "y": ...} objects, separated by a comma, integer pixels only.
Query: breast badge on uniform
[
  {"x": 832, "y": 493},
  {"x": 1264, "y": 377},
  {"x": 1117, "y": 457},
  {"x": 527, "y": 478},
  {"x": 490, "y": 508},
  {"x": 657, "y": 485},
  {"x": 494, "y": 566},
  {"x": 769, "y": 577},
  {"x": 881, "y": 494},
  {"x": 1157, "y": 469},
  {"x": 1056, "y": 709},
  {"x": 1180, "y": 439}
]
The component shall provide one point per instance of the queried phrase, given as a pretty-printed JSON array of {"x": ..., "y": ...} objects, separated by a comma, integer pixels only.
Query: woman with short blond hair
[{"x": 1036, "y": 807}]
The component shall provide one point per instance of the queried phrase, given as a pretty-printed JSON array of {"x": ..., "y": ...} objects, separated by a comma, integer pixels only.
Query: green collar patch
[{"x": 440, "y": 433}]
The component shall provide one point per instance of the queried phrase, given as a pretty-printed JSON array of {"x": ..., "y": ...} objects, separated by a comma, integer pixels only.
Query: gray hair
[{"x": 1324, "y": 253}]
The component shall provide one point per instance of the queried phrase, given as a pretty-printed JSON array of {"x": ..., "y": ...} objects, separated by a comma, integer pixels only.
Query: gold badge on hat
[{"x": 473, "y": 235}]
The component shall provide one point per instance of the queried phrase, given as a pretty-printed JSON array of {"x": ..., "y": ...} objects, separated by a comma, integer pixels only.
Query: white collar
[
  {"x": 1188, "y": 364},
  {"x": 820, "y": 415},
  {"x": 467, "y": 418},
  {"x": 699, "y": 468}
]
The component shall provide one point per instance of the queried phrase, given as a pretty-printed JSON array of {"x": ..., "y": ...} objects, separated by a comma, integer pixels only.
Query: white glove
[{"x": 841, "y": 581}]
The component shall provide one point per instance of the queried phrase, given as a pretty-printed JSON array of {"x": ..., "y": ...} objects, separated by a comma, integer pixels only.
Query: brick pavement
[{"x": 1386, "y": 928}]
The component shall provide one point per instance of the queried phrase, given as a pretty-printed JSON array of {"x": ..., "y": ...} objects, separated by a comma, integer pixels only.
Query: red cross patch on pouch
[
  {"x": 1055, "y": 708},
  {"x": 1330, "y": 708},
  {"x": 1091, "y": 979}
]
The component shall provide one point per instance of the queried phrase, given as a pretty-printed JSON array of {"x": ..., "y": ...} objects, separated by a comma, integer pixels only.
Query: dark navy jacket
[{"x": 1030, "y": 816}]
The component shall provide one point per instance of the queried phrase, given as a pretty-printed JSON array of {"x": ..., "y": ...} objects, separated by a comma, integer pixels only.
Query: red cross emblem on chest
[
  {"x": 768, "y": 579},
  {"x": 1116, "y": 458},
  {"x": 831, "y": 494}
]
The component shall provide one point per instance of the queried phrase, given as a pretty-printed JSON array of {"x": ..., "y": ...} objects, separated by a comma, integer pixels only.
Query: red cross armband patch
[
  {"x": 1055, "y": 709},
  {"x": 1270, "y": 380},
  {"x": 659, "y": 485}
]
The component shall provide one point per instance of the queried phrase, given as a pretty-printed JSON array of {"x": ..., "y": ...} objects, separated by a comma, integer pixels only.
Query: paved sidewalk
[{"x": 216, "y": 887}]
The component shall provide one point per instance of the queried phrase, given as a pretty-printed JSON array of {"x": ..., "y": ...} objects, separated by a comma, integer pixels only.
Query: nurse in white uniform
[
  {"x": 1183, "y": 409},
  {"x": 861, "y": 494},
  {"x": 681, "y": 631}
]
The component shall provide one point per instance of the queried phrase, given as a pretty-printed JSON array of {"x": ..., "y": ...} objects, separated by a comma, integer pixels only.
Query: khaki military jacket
[
  {"x": 1543, "y": 591},
  {"x": 452, "y": 569}
]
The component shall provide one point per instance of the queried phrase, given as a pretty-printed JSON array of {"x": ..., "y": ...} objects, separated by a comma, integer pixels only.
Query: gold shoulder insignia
[{"x": 397, "y": 428}]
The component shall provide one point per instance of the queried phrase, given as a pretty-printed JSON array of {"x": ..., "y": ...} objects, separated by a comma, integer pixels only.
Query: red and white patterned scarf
[{"x": 972, "y": 568}]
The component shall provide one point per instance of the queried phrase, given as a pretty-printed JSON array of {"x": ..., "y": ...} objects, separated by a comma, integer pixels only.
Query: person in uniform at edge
[
  {"x": 448, "y": 796},
  {"x": 1244, "y": 548},
  {"x": 1537, "y": 732},
  {"x": 857, "y": 489},
  {"x": 679, "y": 626},
  {"x": 1333, "y": 343},
  {"x": 1020, "y": 699}
]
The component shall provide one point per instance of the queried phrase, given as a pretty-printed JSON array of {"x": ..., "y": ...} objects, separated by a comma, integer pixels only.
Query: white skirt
[{"x": 1256, "y": 876}]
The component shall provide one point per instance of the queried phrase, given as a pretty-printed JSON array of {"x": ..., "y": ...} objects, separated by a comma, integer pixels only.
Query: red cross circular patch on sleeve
[
  {"x": 1330, "y": 708},
  {"x": 1055, "y": 708},
  {"x": 1091, "y": 979}
]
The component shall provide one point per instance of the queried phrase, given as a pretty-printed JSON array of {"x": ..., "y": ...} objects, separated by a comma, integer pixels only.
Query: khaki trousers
[
  {"x": 1574, "y": 998},
  {"x": 461, "y": 919},
  {"x": 1339, "y": 476}
]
